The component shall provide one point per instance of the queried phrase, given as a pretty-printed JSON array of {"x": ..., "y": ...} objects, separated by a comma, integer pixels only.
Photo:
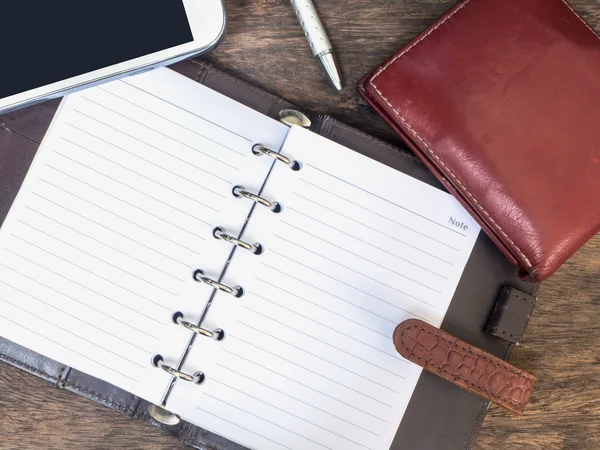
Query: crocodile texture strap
[{"x": 464, "y": 365}]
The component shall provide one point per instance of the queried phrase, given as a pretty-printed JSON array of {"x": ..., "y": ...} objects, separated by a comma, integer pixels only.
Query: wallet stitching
[
  {"x": 99, "y": 397},
  {"x": 581, "y": 19},
  {"x": 414, "y": 44},
  {"x": 26, "y": 366},
  {"x": 506, "y": 333},
  {"x": 465, "y": 189},
  {"x": 427, "y": 146},
  {"x": 527, "y": 317},
  {"x": 503, "y": 364}
]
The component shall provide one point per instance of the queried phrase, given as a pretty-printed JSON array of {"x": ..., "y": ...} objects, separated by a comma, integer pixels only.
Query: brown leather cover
[
  {"x": 501, "y": 100},
  {"x": 464, "y": 365}
]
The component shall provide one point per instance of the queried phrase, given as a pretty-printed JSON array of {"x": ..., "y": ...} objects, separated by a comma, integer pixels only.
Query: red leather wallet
[{"x": 501, "y": 100}]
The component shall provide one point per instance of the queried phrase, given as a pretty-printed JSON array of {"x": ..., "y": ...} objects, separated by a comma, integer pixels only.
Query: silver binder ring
[
  {"x": 237, "y": 291},
  {"x": 217, "y": 334},
  {"x": 239, "y": 191},
  {"x": 220, "y": 233},
  {"x": 197, "y": 378},
  {"x": 259, "y": 149},
  {"x": 177, "y": 373}
]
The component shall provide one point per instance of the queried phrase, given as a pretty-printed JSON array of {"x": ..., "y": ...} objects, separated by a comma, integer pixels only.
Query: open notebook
[{"x": 118, "y": 213}]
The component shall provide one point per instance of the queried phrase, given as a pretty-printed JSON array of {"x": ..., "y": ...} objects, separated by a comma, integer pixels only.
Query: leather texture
[
  {"x": 459, "y": 413},
  {"x": 464, "y": 365},
  {"x": 511, "y": 315},
  {"x": 500, "y": 99}
]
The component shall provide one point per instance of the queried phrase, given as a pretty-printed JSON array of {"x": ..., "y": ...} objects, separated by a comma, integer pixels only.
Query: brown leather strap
[{"x": 464, "y": 365}]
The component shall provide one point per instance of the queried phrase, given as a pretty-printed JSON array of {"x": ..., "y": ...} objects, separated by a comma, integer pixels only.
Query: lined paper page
[
  {"x": 308, "y": 361},
  {"x": 116, "y": 213}
]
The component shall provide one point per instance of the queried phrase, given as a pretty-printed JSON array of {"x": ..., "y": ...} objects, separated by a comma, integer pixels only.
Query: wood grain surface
[{"x": 265, "y": 46}]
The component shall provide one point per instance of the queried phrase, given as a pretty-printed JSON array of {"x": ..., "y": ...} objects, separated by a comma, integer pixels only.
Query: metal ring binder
[
  {"x": 260, "y": 149},
  {"x": 236, "y": 291},
  {"x": 217, "y": 334},
  {"x": 196, "y": 378},
  {"x": 240, "y": 191},
  {"x": 219, "y": 233}
]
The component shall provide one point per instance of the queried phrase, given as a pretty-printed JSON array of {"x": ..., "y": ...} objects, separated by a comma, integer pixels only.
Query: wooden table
[{"x": 265, "y": 47}]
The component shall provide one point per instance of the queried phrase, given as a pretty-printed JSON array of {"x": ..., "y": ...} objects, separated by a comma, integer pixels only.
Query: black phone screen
[{"x": 42, "y": 42}]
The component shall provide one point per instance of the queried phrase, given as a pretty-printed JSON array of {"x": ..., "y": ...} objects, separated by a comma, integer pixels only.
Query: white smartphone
[{"x": 51, "y": 48}]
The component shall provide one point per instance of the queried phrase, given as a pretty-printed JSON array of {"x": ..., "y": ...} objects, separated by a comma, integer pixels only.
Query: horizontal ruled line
[
  {"x": 148, "y": 161},
  {"x": 303, "y": 367},
  {"x": 153, "y": 180},
  {"x": 287, "y": 412},
  {"x": 287, "y": 394},
  {"x": 90, "y": 272},
  {"x": 183, "y": 109},
  {"x": 67, "y": 348},
  {"x": 354, "y": 287},
  {"x": 248, "y": 377},
  {"x": 96, "y": 257},
  {"x": 337, "y": 331},
  {"x": 241, "y": 427},
  {"x": 105, "y": 244},
  {"x": 386, "y": 200},
  {"x": 121, "y": 217},
  {"x": 321, "y": 341},
  {"x": 171, "y": 138},
  {"x": 395, "y": 357},
  {"x": 330, "y": 294},
  {"x": 127, "y": 186},
  {"x": 369, "y": 243},
  {"x": 75, "y": 317},
  {"x": 371, "y": 228},
  {"x": 303, "y": 247},
  {"x": 72, "y": 333},
  {"x": 304, "y": 385},
  {"x": 325, "y": 309},
  {"x": 79, "y": 301},
  {"x": 265, "y": 420},
  {"x": 109, "y": 229},
  {"x": 85, "y": 287},
  {"x": 164, "y": 118}
]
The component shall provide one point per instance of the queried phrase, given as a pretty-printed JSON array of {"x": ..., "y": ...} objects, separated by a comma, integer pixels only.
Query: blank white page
[
  {"x": 308, "y": 361},
  {"x": 116, "y": 213}
]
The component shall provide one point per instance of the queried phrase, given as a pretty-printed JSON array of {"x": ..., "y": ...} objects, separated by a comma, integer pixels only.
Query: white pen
[{"x": 318, "y": 40}]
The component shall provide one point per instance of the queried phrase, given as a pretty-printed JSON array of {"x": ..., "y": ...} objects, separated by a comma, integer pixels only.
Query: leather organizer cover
[
  {"x": 501, "y": 100},
  {"x": 440, "y": 415}
]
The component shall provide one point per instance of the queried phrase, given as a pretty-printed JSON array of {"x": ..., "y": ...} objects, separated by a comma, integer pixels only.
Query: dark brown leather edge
[
  {"x": 511, "y": 314},
  {"x": 464, "y": 365}
]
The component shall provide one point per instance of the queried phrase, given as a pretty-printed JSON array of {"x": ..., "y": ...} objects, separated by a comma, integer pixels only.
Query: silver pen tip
[{"x": 329, "y": 65}]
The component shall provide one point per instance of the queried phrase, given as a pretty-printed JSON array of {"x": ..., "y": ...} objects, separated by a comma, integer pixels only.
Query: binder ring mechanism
[
  {"x": 219, "y": 233},
  {"x": 236, "y": 291},
  {"x": 260, "y": 149},
  {"x": 196, "y": 378},
  {"x": 240, "y": 191},
  {"x": 217, "y": 334}
]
